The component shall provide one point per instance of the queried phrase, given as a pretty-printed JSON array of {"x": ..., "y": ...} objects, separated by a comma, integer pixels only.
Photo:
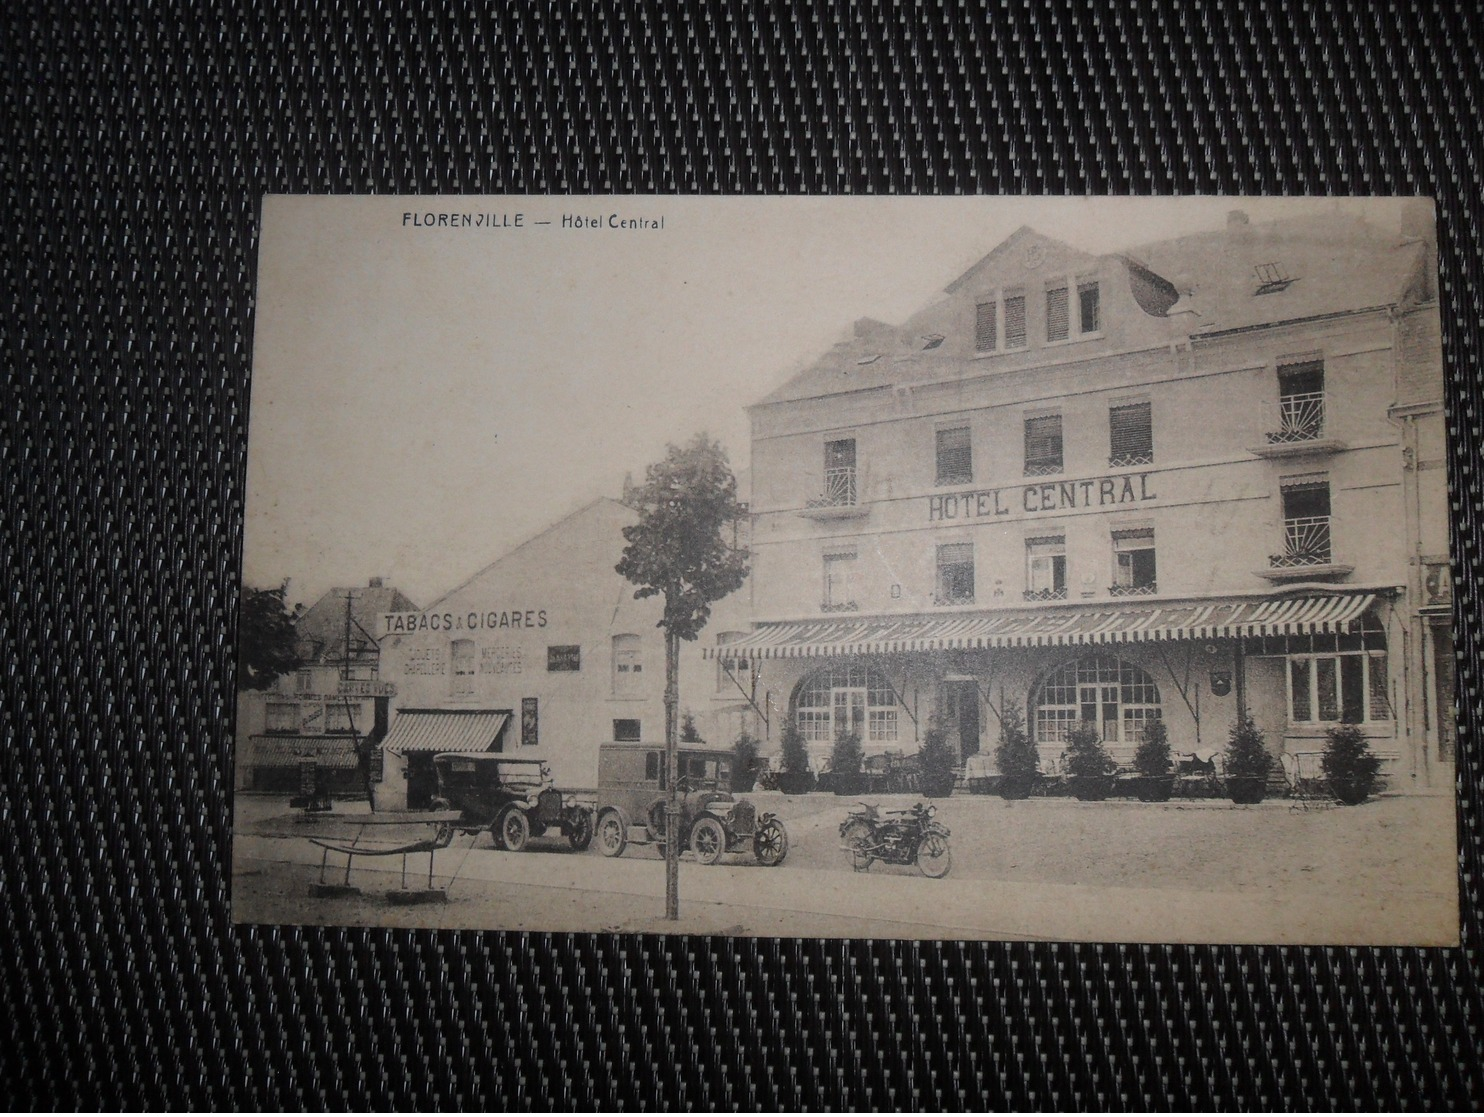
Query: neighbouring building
[
  {"x": 544, "y": 652},
  {"x": 1203, "y": 473},
  {"x": 336, "y": 699}
]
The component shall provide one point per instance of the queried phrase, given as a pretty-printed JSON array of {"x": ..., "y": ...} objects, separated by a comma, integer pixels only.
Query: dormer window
[
  {"x": 1000, "y": 322},
  {"x": 1271, "y": 277},
  {"x": 1066, "y": 319}
]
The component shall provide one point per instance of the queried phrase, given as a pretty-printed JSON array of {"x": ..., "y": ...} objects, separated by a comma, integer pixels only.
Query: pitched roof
[
  {"x": 320, "y": 629},
  {"x": 1332, "y": 264},
  {"x": 1247, "y": 275}
]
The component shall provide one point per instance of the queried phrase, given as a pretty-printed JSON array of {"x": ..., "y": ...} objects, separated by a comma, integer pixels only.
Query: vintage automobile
[
  {"x": 511, "y": 797},
  {"x": 632, "y": 798}
]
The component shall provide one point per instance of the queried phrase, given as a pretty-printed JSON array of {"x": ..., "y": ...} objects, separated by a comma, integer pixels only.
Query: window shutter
[
  {"x": 1043, "y": 442},
  {"x": 955, "y": 554},
  {"x": 1131, "y": 434},
  {"x": 1058, "y": 318},
  {"x": 955, "y": 458},
  {"x": 1015, "y": 322},
  {"x": 986, "y": 327}
]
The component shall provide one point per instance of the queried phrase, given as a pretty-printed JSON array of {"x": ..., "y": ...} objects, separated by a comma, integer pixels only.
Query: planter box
[
  {"x": 1349, "y": 793},
  {"x": 938, "y": 789},
  {"x": 1017, "y": 788},
  {"x": 1090, "y": 789},
  {"x": 795, "y": 783},
  {"x": 846, "y": 783},
  {"x": 1246, "y": 790},
  {"x": 1152, "y": 789}
]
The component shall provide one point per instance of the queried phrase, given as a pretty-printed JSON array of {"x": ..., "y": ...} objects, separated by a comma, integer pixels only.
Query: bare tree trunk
[{"x": 672, "y": 804}]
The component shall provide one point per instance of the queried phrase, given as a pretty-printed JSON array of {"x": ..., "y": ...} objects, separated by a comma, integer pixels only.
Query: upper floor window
[
  {"x": 1130, "y": 434},
  {"x": 628, "y": 666},
  {"x": 1133, "y": 562},
  {"x": 840, "y": 581},
  {"x": 1306, "y": 526},
  {"x": 839, "y": 472},
  {"x": 955, "y": 457},
  {"x": 999, "y": 322},
  {"x": 626, "y": 729},
  {"x": 955, "y": 574},
  {"x": 282, "y": 717},
  {"x": 464, "y": 666},
  {"x": 1015, "y": 321},
  {"x": 339, "y": 717},
  {"x": 1058, "y": 313},
  {"x": 1046, "y": 568},
  {"x": 1043, "y": 446},
  {"x": 1089, "y": 306},
  {"x": 1300, "y": 402},
  {"x": 305, "y": 681},
  {"x": 987, "y": 326}
]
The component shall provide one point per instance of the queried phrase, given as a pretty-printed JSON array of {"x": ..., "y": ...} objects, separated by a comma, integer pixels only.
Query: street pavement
[{"x": 817, "y": 882}]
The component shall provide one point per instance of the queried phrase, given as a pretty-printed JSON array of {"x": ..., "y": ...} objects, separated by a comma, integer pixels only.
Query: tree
[
  {"x": 745, "y": 751},
  {"x": 679, "y": 551},
  {"x": 1152, "y": 757},
  {"x": 1349, "y": 765},
  {"x": 1015, "y": 755},
  {"x": 265, "y": 638},
  {"x": 688, "y": 731}
]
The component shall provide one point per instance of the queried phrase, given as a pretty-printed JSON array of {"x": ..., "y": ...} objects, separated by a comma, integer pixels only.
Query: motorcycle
[{"x": 893, "y": 837}]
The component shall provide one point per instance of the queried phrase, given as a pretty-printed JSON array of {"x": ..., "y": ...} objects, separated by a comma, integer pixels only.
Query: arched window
[
  {"x": 628, "y": 666},
  {"x": 851, "y": 697},
  {"x": 1116, "y": 696}
]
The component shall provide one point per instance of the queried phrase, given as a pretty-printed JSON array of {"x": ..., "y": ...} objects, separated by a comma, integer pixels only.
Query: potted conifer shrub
[
  {"x": 1015, "y": 756},
  {"x": 797, "y": 778},
  {"x": 1349, "y": 765},
  {"x": 745, "y": 750},
  {"x": 936, "y": 760},
  {"x": 1247, "y": 762},
  {"x": 1152, "y": 761},
  {"x": 1089, "y": 767},
  {"x": 845, "y": 764}
]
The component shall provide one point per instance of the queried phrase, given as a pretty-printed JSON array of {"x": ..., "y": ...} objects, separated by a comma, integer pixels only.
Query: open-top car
[
  {"x": 632, "y": 795},
  {"x": 511, "y": 797}
]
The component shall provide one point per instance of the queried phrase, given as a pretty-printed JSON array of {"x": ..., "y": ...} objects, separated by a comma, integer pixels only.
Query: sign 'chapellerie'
[{"x": 1050, "y": 496}]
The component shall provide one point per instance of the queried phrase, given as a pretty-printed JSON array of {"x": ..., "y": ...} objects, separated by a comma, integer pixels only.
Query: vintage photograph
[{"x": 922, "y": 568}]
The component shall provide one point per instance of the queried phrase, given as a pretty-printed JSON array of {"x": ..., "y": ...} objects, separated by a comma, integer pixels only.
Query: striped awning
[
  {"x": 446, "y": 731},
  {"x": 1055, "y": 625},
  {"x": 290, "y": 752}
]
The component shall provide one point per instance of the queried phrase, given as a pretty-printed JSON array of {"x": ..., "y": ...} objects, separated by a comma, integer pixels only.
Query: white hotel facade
[{"x": 1206, "y": 472}]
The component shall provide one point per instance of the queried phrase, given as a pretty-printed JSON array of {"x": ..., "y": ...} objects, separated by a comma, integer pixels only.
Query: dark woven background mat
[{"x": 136, "y": 147}]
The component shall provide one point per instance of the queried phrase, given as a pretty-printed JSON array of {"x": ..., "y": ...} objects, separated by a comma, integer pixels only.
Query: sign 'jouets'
[
  {"x": 1049, "y": 496},
  {"x": 472, "y": 621}
]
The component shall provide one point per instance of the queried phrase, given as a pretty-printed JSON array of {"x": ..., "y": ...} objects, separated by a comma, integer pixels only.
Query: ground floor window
[
  {"x": 1347, "y": 686},
  {"x": 852, "y": 698},
  {"x": 1116, "y": 696}
]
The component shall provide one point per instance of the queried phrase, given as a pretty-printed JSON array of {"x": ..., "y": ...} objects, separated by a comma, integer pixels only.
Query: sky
[{"x": 426, "y": 398}]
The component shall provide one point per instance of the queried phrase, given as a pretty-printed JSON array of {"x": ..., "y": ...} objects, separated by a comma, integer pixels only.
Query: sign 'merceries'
[{"x": 1050, "y": 496}]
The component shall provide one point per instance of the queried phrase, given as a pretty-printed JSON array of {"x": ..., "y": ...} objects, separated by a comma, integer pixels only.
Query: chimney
[{"x": 376, "y": 583}]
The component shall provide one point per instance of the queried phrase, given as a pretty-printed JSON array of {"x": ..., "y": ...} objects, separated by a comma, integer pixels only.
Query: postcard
[{"x": 922, "y": 568}]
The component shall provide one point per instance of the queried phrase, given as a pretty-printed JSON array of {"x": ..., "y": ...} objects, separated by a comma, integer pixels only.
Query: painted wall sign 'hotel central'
[{"x": 1100, "y": 492}]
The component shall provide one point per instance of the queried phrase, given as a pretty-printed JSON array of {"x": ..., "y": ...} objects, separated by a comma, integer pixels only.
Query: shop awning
[
  {"x": 1054, "y": 625},
  {"x": 290, "y": 752},
  {"x": 445, "y": 730}
]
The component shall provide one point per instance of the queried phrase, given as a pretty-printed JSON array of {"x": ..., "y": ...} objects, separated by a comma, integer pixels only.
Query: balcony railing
[
  {"x": 839, "y": 489},
  {"x": 1046, "y": 594},
  {"x": 1300, "y": 418},
  {"x": 1042, "y": 467},
  {"x": 1143, "y": 589},
  {"x": 839, "y": 607},
  {"x": 1308, "y": 543},
  {"x": 953, "y": 599}
]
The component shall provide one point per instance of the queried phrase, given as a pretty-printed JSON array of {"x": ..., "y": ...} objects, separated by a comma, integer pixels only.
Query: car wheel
[
  {"x": 580, "y": 831},
  {"x": 708, "y": 841},
  {"x": 858, "y": 838},
  {"x": 933, "y": 856},
  {"x": 613, "y": 834},
  {"x": 515, "y": 830},
  {"x": 770, "y": 843}
]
